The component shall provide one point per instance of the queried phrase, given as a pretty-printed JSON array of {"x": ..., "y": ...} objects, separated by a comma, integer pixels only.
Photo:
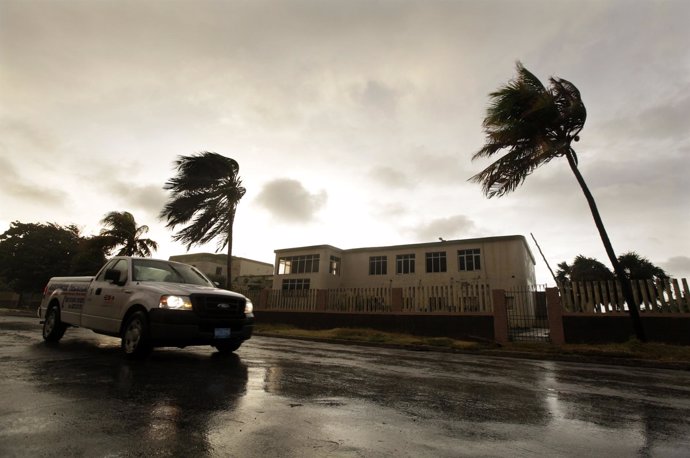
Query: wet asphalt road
[{"x": 291, "y": 398}]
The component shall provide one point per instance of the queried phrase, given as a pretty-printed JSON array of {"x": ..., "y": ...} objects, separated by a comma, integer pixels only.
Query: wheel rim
[
  {"x": 133, "y": 335},
  {"x": 49, "y": 323}
]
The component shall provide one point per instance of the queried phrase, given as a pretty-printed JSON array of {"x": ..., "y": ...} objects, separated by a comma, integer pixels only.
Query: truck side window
[
  {"x": 109, "y": 265},
  {"x": 121, "y": 266}
]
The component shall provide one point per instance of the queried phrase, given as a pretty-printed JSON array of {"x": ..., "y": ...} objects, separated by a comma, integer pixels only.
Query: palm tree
[
  {"x": 207, "y": 189},
  {"x": 121, "y": 231},
  {"x": 533, "y": 125},
  {"x": 638, "y": 267},
  {"x": 583, "y": 269}
]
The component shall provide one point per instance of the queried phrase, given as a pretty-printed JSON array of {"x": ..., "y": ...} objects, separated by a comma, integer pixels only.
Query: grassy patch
[
  {"x": 632, "y": 349},
  {"x": 637, "y": 349},
  {"x": 365, "y": 335}
]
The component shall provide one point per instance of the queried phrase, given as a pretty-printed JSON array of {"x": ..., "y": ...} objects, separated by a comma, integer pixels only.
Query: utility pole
[{"x": 544, "y": 258}]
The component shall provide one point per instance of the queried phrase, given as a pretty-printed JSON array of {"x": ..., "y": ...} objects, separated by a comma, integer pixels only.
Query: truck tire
[
  {"x": 53, "y": 327},
  {"x": 227, "y": 347},
  {"x": 135, "y": 336}
]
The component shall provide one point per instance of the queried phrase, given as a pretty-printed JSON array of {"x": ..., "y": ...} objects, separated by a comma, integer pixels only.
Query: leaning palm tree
[
  {"x": 206, "y": 189},
  {"x": 121, "y": 231},
  {"x": 532, "y": 125}
]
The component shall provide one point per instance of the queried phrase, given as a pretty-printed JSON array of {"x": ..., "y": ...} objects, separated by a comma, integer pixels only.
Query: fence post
[
  {"x": 321, "y": 300},
  {"x": 262, "y": 299},
  {"x": 554, "y": 310},
  {"x": 500, "y": 316},
  {"x": 396, "y": 299}
]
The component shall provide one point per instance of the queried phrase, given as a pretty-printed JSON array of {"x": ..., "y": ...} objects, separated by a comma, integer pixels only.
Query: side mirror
[{"x": 113, "y": 276}]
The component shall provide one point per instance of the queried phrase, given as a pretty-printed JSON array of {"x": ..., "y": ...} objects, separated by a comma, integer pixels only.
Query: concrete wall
[
  {"x": 593, "y": 328},
  {"x": 671, "y": 329},
  {"x": 478, "y": 327},
  {"x": 565, "y": 327}
]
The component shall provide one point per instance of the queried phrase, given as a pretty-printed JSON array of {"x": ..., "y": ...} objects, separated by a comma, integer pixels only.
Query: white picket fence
[
  {"x": 661, "y": 296},
  {"x": 469, "y": 297},
  {"x": 462, "y": 298}
]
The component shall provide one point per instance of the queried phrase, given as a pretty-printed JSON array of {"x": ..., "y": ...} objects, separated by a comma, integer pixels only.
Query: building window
[
  {"x": 334, "y": 267},
  {"x": 469, "y": 259},
  {"x": 306, "y": 264},
  {"x": 378, "y": 265},
  {"x": 436, "y": 262},
  {"x": 294, "y": 284},
  {"x": 404, "y": 264}
]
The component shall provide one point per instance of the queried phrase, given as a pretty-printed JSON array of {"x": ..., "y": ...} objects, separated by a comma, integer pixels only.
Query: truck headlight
[
  {"x": 175, "y": 303},
  {"x": 248, "y": 306}
]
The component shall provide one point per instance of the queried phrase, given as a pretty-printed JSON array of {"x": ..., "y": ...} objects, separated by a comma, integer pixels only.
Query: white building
[
  {"x": 245, "y": 272},
  {"x": 501, "y": 262}
]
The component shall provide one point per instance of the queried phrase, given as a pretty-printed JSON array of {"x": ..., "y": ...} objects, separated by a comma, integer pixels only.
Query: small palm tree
[
  {"x": 638, "y": 267},
  {"x": 583, "y": 269},
  {"x": 533, "y": 125},
  {"x": 121, "y": 231},
  {"x": 206, "y": 189}
]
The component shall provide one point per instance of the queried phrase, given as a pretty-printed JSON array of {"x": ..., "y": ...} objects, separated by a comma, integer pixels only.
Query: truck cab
[{"x": 148, "y": 303}]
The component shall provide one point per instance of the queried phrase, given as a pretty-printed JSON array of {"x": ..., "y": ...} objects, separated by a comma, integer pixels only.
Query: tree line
[
  {"x": 31, "y": 253},
  {"x": 203, "y": 199},
  {"x": 636, "y": 267}
]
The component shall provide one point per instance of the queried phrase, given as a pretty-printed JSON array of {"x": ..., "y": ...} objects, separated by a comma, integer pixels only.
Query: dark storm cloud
[
  {"x": 677, "y": 266},
  {"x": 391, "y": 210},
  {"x": 25, "y": 190},
  {"x": 665, "y": 121},
  {"x": 20, "y": 135},
  {"x": 446, "y": 169},
  {"x": 377, "y": 96},
  {"x": 149, "y": 198},
  {"x": 458, "y": 226},
  {"x": 289, "y": 201},
  {"x": 390, "y": 177}
]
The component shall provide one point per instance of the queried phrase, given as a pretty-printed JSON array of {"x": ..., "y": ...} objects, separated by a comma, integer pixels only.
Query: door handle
[
  {"x": 128, "y": 291},
  {"x": 98, "y": 291}
]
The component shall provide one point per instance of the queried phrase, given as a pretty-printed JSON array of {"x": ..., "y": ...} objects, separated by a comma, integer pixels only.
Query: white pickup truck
[{"x": 148, "y": 303}]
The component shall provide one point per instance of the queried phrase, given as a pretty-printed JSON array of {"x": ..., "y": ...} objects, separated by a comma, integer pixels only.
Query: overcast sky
[{"x": 353, "y": 122}]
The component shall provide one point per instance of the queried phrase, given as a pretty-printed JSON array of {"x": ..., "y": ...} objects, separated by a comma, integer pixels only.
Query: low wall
[
  {"x": 602, "y": 328},
  {"x": 9, "y": 299},
  {"x": 471, "y": 326}
]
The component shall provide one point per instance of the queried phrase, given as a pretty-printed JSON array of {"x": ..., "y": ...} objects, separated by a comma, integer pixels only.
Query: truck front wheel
[
  {"x": 53, "y": 327},
  {"x": 135, "y": 335}
]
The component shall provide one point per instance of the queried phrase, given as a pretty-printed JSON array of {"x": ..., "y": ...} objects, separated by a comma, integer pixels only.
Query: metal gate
[{"x": 527, "y": 316}]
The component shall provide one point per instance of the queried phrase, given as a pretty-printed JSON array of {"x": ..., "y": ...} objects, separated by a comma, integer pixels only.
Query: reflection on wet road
[{"x": 290, "y": 398}]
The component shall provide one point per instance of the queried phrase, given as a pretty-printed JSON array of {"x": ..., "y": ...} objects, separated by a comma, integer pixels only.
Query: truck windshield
[{"x": 154, "y": 270}]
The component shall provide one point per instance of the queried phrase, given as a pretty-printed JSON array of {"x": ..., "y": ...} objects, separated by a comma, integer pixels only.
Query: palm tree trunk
[
  {"x": 228, "y": 281},
  {"x": 620, "y": 274}
]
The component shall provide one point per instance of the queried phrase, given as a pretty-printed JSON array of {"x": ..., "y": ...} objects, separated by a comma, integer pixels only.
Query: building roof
[
  {"x": 503, "y": 238},
  {"x": 211, "y": 257}
]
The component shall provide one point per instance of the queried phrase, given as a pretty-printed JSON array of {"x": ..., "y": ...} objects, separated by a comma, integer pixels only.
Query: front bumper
[{"x": 180, "y": 328}]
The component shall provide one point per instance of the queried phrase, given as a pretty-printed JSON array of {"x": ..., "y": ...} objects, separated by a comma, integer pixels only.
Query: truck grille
[{"x": 218, "y": 306}]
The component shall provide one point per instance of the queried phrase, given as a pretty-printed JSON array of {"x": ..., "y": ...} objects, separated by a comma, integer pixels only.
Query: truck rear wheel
[
  {"x": 53, "y": 327},
  {"x": 135, "y": 336},
  {"x": 227, "y": 347}
]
